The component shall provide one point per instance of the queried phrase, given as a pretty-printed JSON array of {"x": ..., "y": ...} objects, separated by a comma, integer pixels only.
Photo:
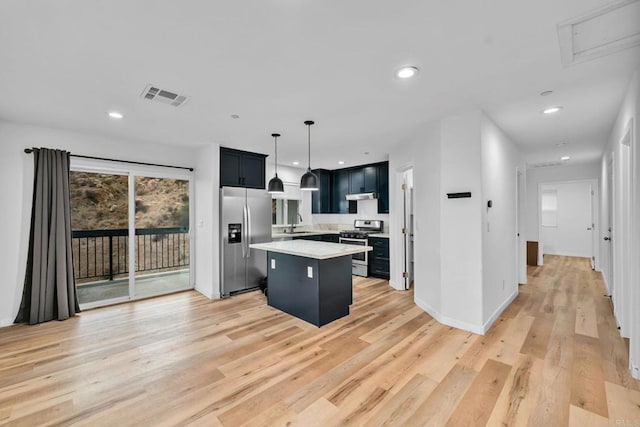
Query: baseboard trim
[
  {"x": 396, "y": 287},
  {"x": 210, "y": 295},
  {"x": 449, "y": 321},
  {"x": 6, "y": 322},
  {"x": 499, "y": 310}
]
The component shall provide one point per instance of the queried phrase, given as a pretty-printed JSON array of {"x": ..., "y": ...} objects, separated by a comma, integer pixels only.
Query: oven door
[{"x": 360, "y": 258}]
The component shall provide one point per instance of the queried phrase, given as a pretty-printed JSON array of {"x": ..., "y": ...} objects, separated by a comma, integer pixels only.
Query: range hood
[{"x": 362, "y": 196}]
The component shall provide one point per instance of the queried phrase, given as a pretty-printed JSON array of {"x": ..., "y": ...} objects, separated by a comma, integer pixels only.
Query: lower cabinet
[{"x": 379, "y": 257}]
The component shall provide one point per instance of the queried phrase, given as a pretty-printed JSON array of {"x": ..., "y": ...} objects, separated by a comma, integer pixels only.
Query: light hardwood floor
[{"x": 553, "y": 358}]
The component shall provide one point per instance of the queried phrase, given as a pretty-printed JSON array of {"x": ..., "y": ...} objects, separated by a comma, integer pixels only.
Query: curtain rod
[{"x": 30, "y": 150}]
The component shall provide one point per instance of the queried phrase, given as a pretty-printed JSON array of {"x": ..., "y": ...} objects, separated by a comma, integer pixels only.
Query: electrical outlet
[
  {"x": 310, "y": 272},
  {"x": 273, "y": 264}
]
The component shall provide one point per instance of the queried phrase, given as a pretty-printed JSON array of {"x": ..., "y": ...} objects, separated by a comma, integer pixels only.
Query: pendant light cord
[
  {"x": 276, "y": 147},
  {"x": 309, "y": 140}
]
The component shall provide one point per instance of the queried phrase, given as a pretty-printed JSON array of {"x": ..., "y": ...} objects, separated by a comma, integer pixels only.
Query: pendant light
[
  {"x": 309, "y": 180},
  {"x": 275, "y": 185}
]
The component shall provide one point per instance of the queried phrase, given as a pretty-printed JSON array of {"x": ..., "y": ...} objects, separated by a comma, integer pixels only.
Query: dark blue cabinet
[
  {"x": 363, "y": 179},
  {"x": 336, "y": 184},
  {"x": 241, "y": 169},
  {"x": 340, "y": 187},
  {"x": 321, "y": 199},
  {"x": 379, "y": 257},
  {"x": 383, "y": 187}
]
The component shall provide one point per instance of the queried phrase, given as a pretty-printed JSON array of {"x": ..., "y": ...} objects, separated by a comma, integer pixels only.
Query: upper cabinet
[
  {"x": 383, "y": 187},
  {"x": 336, "y": 184},
  {"x": 340, "y": 189},
  {"x": 321, "y": 199},
  {"x": 363, "y": 180},
  {"x": 242, "y": 168}
]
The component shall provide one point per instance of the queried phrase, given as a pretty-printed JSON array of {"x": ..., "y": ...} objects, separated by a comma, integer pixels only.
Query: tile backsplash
[{"x": 367, "y": 209}]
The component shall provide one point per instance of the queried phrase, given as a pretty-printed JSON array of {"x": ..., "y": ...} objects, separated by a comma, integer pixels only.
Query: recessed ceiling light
[
  {"x": 407, "y": 72},
  {"x": 562, "y": 144},
  {"x": 564, "y": 158},
  {"x": 235, "y": 116},
  {"x": 341, "y": 162},
  {"x": 552, "y": 110},
  {"x": 366, "y": 153},
  {"x": 296, "y": 163},
  {"x": 115, "y": 115},
  {"x": 546, "y": 92}
]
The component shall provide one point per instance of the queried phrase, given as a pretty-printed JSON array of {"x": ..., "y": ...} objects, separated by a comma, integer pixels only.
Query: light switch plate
[
  {"x": 310, "y": 272},
  {"x": 273, "y": 264}
]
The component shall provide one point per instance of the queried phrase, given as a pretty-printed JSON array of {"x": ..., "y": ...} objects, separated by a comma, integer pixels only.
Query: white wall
[
  {"x": 461, "y": 221},
  {"x": 459, "y": 264},
  {"x": 500, "y": 160},
  {"x": 423, "y": 154},
  {"x": 626, "y": 295},
  {"x": 16, "y": 184},
  {"x": 537, "y": 176},
  {"x": 207, "y": 222}
]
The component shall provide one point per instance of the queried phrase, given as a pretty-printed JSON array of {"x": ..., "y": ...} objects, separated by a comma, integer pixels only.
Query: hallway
[{"x": 583, "y": 375}]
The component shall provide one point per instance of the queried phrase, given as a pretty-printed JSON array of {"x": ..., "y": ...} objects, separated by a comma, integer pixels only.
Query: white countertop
[
  {"x": 311, "y": 249},
  {"x": 382, "y": 235},
  {"x": 280, "y": 235}
]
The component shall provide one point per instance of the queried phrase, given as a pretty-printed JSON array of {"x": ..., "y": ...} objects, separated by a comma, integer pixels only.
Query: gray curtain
[{"x": 49, "y": 285}]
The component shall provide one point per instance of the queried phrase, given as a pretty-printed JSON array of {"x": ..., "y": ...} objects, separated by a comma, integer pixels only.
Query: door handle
[
  {"x": 607, "y": 238},
  {"x": 245, "y": 231},
  {"x": 249, "y": 230},
  {"x": 589, "y": 228}
]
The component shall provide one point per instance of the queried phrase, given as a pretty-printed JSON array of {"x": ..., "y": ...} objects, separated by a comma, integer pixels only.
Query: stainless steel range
[{"x": 358, "y": 236}]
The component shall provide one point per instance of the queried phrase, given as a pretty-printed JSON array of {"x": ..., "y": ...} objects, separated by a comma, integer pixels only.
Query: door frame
[
  {"x": 80, "y": 164},
  {"x": 396, "y": 214},
  {"x": 595, "y": 197}
]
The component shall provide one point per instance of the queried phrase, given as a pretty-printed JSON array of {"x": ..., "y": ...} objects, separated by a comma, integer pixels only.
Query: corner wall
[
  {"x": 500, "y": 162},
  {"x": 461, "y": 221}
]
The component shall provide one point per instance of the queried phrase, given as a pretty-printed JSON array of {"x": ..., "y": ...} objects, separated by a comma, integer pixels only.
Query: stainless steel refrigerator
[{"x": 245, "y": 217}]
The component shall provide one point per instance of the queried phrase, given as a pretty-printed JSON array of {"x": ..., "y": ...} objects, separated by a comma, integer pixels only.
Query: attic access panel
[{"x": 604, "y": 31}]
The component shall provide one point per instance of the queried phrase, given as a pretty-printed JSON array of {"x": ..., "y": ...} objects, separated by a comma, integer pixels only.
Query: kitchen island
[{"x": 310, "y": 280}]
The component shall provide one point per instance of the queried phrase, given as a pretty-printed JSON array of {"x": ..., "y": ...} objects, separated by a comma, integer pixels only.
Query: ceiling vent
[
  {"x": 153, "y": 93},
  {"x": 544, "y": 165},
  {"x": 604, "y": 31}
]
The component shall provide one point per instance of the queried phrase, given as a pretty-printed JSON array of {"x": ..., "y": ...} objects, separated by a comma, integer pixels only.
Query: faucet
[{"x": 293, "y": 226}]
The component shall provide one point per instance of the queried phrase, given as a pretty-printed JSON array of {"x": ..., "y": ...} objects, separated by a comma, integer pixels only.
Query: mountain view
[{"x": 100, "y": 201}]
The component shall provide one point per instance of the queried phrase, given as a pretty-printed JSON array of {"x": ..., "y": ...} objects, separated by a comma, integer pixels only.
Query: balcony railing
[{"x": 103, "y": 254}]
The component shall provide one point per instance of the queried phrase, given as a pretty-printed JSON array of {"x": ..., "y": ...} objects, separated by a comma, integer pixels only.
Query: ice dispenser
[{"x": 235, "y": 233}]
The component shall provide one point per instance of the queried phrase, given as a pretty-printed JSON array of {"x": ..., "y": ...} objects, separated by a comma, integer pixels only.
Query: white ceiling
[{"x": 276, "y": 63}]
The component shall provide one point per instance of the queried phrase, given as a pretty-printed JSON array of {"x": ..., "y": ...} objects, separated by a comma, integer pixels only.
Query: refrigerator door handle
[
  {"x": 249, "y": 231},
  {"x": 245, "y": 231}
]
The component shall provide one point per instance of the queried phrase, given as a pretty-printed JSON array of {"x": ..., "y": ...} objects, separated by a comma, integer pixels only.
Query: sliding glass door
[
  {"x": 100, "y": 229},
  {"x": 130, "y": 233},
  {"x": 161, "y": 235}
]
